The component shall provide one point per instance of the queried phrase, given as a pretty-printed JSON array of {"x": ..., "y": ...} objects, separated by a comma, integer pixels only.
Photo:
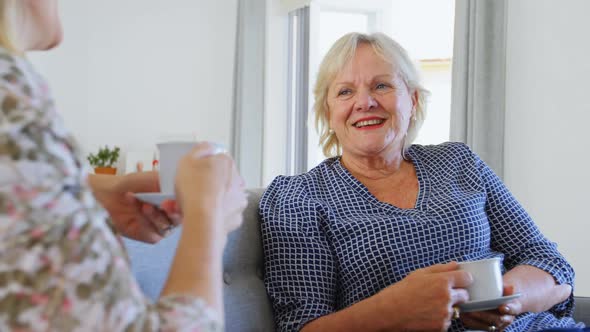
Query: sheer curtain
[
  {"x": 248, "y": 99},
  {"x": 478, "y": 87}
]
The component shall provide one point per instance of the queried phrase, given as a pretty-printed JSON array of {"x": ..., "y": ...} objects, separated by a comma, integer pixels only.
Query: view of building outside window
[{"x": 424, "y": 28}]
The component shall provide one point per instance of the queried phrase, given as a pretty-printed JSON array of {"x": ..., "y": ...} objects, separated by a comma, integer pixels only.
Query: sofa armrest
[
  {"x": 247, "y": 306},
  {"x": 582, "y": 310}
]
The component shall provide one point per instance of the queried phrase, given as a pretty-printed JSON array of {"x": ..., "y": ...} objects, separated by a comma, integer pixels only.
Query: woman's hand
[
  {"x": 210, "y": 197},
  {"x": 538, "y": 289},
  {"x": 538, "y": 292},
  {"x": 210, "y": 182},
  {"x": 499, "y": 318},
  {"x": 134, "y": 219},
  {"x": 426, "y": 297}
]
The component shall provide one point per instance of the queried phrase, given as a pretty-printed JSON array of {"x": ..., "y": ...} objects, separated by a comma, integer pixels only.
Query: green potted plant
[{"x": 104, "y": 160}]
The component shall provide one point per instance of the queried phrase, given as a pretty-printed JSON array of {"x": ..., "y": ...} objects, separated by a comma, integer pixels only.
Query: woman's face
[
  {"x": 42, "y": 24},
  {"x": 369, "y": 106}
]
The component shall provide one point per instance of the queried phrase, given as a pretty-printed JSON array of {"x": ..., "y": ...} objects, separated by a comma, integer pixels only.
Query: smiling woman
[
  {"x": 380, "y": 71},
  {"x": 402, "y": 20},
  {"x": 370, "y": 238}
]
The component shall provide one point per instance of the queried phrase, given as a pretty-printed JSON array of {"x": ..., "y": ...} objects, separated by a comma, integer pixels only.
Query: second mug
[
  {"x": 487, "y": 279},
  {"x": 170, "y": 154}
]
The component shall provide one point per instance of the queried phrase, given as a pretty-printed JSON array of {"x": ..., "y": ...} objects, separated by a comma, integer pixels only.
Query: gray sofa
[{"x": 247, "y": 307}]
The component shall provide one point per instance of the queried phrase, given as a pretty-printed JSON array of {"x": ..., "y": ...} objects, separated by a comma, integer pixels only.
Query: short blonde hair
[
  {"x": 9, "y": 14},
  {"x": 338, "y": 56}
]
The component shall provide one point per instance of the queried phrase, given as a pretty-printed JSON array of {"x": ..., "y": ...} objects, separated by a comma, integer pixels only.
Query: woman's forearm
[
  {"x": 197, "y": 266},
  {"x": 362, "y": 316},
  {"x": 539, "y": 291}
]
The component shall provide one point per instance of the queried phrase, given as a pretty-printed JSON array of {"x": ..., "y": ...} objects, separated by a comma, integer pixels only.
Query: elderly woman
[
  {"x": 369, "y": 240},
  {"x": 62, "y": 266}
]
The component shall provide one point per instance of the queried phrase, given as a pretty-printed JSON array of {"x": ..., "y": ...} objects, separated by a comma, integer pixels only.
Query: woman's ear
[
  {"x": 415, "y": 100},
  {"x": 327, "y": 112}
]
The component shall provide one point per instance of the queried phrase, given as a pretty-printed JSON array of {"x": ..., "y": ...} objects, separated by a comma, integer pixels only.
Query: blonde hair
[
  {"x": 9, "y": 14},
  {"x": 338, "y": 56}
]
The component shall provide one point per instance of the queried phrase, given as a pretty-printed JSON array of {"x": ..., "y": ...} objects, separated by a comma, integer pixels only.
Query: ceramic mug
[
  {"x": 487, "y": 279},
  {"x": 170, "y": 154}
]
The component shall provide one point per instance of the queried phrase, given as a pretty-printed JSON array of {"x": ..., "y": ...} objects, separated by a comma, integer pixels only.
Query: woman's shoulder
[
  {"x": 40, "y": 148},
  {"x": 442, "y": 149},
  {"x": 312, "y": 176},
  {"x": 299, "y": 187},
  {"x": 24, "y": 96},
  {"x": 17, "y": 76},
  {"x": 448, "y": 151}
]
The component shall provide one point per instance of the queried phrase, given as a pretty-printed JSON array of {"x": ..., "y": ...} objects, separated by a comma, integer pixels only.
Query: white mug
[
  {"x": 487, "y": 279},
  {"x": 170, "y": 155}
]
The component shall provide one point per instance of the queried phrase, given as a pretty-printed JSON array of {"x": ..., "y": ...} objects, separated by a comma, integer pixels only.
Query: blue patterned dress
[{"x": 329, "y": 243}]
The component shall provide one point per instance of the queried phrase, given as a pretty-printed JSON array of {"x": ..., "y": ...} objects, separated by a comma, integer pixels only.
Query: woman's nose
[{"x": 365, "y": 101}]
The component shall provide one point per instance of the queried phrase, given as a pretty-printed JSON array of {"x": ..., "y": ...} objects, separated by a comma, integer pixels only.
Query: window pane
[
  {"x": 431, "y": 46},
  {"x": 334, "y": 25},
  {"x": 436, "y": 77}
]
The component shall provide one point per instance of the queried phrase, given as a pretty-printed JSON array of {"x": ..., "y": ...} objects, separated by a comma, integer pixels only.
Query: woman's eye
[
  {"x": 380, "y": 86},
  {"x": 344, "y": 92}
]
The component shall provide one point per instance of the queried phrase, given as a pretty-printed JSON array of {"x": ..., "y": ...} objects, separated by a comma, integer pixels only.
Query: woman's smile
[{"x": 369, "y": 123}]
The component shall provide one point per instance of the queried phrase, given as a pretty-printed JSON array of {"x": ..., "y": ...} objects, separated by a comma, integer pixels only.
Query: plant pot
[{"x": 105, "y": 170}]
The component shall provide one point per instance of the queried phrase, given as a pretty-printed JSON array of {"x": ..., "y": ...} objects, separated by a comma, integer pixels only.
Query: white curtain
[
  {"x": 478, "y": 88},
  {"x": 248, "y": 116},
  {"x": 291, "y": 5}
]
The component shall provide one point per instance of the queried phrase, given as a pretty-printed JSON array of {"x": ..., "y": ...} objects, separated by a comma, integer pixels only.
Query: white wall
[
  {"x": 132, "y": 72},
  {"x": 547, "y": 120}
]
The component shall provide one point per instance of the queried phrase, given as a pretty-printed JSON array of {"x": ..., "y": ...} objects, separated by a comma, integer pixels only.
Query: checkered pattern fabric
[{"x": 329, "y": 243}]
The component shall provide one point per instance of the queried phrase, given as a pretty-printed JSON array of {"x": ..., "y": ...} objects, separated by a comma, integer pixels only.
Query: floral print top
[{"x": 62, "y": 267}]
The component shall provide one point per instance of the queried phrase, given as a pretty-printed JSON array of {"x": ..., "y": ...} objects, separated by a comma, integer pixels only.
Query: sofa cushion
[
  {"x": 582, "y": 310},
  {"x": 247, "y": 307}
]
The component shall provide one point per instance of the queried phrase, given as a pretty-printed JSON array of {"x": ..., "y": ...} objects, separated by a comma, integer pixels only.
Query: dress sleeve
[
  {"x": 516, "y": 235},
  {"x": 61, "y": 266},
  {"x": 300, "y": 268}
]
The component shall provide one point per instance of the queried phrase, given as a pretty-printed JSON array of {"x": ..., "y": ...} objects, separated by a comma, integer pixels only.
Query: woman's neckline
[{"x": 361, "y": 189}]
